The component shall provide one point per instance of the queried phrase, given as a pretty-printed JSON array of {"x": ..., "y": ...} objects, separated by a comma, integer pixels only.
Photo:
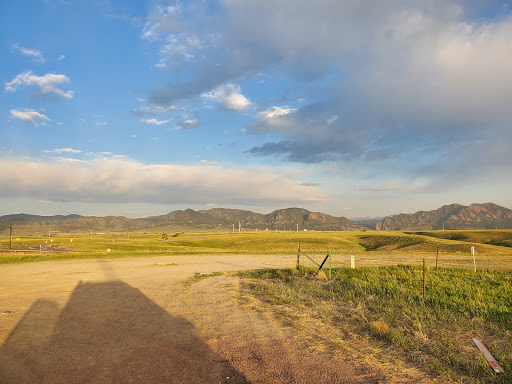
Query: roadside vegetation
[{"x": 384, "y": 308}]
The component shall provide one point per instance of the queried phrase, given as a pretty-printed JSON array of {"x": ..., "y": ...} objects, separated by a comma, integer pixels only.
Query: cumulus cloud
[
  {"x": 229, "y": 97},
  {"x": 122, "y": 180},
  {"x": 46, "y": 84},
  {"x": 34, "y": 53},
  {"x": 29, "y": 116},
  {"x": 154, "y": 121}
]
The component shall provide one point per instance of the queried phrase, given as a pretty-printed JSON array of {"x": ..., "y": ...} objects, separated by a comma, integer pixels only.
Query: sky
[{"x": 349, "y": 107}]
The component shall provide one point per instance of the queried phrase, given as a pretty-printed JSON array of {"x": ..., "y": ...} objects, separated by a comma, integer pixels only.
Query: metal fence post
[
  {"x": 298, "y": 255},
  {"x": 423, "y": 293},
  {"x": 330, "y": 262}
]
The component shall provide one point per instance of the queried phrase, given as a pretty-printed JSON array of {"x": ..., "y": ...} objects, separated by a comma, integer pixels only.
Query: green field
[
  {"x": 383, "y": 313},
  {"x": 370, "y": 247}
]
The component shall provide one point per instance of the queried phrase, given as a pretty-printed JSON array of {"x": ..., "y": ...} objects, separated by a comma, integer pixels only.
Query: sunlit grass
[
  {"x": 386, "y": 305},
  {"x": 370, "y": 247}
]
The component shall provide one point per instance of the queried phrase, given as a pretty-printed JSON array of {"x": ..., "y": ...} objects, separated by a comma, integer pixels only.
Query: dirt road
[{"x": 134, "y": 321}]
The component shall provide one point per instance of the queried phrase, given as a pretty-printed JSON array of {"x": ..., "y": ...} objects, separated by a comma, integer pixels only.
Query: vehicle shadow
[{"x": 109, "y": 332}]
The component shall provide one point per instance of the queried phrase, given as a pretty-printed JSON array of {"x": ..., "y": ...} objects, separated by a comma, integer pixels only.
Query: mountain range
[
  {"x": 212, "y": 219},
  {"x": 453, "y": 216}
]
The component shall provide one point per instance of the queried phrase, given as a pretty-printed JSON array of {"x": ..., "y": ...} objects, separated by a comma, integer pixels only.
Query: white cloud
[
  {"x": 62, "y": 150},
  {"x": 229, "y": 97},
  {"x": 276, "y": 112},
  {"x": 124, "y": 180},
  {"x": 146, "y": 110},
  {"x": 154, "y": 121},
  {"x": 29, "y": 116},
  {"x": 101, "y": 123},
  {"x": 47, "y": 84},
  {"x": 188, "y": 124},
  {"x": 61, "y": 57},
  {"x": 34, "y": 53},
  {"x": 68, "y": 160}
]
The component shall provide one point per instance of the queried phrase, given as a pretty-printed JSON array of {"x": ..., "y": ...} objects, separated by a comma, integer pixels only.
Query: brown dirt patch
[{"x": 134, "y": 321}]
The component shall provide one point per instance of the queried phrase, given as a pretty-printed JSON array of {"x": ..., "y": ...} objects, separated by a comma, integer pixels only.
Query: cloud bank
[{"x": 115, "y": 180}]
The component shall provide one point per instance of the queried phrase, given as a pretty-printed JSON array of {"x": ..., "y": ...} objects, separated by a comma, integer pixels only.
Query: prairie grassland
[
  {"x": 370, "y": 247},
  {"x": 502, "y": 237},
  {"x": 382, "y": 312}
]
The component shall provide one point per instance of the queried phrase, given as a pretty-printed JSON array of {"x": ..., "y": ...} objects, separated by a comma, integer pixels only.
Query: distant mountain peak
[{"x": 452, "y": 216}]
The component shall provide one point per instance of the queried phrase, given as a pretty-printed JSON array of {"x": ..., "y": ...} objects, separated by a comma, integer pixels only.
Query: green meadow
[{"x": 371, "y": 248}]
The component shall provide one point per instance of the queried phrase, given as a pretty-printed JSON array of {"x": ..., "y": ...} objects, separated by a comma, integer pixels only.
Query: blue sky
[{"x": 353, "y": 108}]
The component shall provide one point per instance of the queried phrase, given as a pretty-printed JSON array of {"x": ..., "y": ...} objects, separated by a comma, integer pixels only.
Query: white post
[
  {"x": 297, "y": 227},
  {"x": 473, "y": 252},
  {"x": 239, "y": 226},
  {"x": 352, "y": 262}
]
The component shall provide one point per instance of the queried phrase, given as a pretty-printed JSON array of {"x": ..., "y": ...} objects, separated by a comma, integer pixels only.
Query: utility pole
[
  {"x": 10, "y": 236},
  {"x": 239, "y": 226},
  {"x": 297, "y": 227},
  {"x": 233, "y": 228}
]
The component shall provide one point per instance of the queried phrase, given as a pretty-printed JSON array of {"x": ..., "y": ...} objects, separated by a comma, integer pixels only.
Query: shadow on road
[{"x": 109, "y": 332}]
